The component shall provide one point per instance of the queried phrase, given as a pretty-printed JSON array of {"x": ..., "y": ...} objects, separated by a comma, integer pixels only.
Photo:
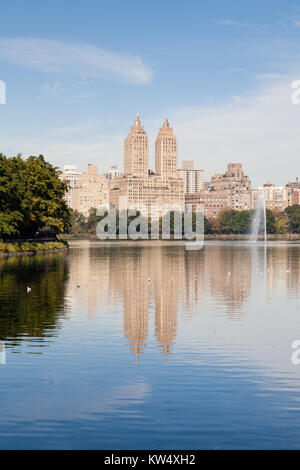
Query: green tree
[
  {"x": 270, "y": 221},
  {"x": 293, "y": 214},
  {"x": 31, "y": 196},
  {"x": 77, "y": 222},
  {"x": 232, "y": 221}
]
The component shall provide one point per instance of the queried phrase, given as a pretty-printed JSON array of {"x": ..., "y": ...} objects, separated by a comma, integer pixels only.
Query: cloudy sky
[{"x": 76, "y": 74}]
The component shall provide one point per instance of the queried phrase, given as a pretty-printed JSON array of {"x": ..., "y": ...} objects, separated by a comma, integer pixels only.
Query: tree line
[
  {"x": 239, "y": 222},
  {"x": 229, "y": 221}
]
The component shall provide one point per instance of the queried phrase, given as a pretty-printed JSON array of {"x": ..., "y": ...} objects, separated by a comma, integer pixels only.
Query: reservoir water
[{"x": 150, "y": 346}]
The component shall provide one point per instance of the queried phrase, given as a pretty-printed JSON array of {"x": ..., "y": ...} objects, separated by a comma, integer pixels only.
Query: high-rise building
[
  {"x": 138, "y": 188},
  {"x": 136, "y": 151},
  {"x": 91, "y": 191},
  {"x": 227, "y": 191},
  {"x": 193, "y": 178},
  {"x": 70, "y": 174},
  {"x": 293, "y": 192},
  {"x": 276, "y": 197},
  {"x": 166, "y": 151}
]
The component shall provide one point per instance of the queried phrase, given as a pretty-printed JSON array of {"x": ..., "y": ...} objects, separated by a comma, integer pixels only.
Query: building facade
[
  {"x": 293, "y": 192},
  {"x": 136, "y": 151},
  {"x": 70, "y": 174},
  {"x": 91, "y": 191},
  {"x": 113, "y": 172},
  {"x": 276, "y": 197},
  {"x": 233, "y": 179},
  {"x": 193, "y": 179},
  {"x": 166, "y": 151},
  {"x": 147, "y": 191},
  {"x": 230, "y": 190},
  {"x": 210, "y": 203}
]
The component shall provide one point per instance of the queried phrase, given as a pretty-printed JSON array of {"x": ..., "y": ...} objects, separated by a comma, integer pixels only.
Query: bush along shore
[{"x": 15, "y": 248}]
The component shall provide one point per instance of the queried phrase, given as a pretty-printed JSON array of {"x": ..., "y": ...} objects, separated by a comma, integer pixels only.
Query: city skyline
[{"x": 186, "y": 165}]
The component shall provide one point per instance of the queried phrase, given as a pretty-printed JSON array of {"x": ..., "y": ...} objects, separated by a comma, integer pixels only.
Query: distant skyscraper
[
  {"x": 293, "y": 192},
  {"x": 166, "y": 152},
  {"x": 91, "y": 190},
  {"x": 70, "y": 174},
  {"x": 193, "y": 178},
  {"x": 136, "y": 151},
  {"x": 144, "y": 190}
]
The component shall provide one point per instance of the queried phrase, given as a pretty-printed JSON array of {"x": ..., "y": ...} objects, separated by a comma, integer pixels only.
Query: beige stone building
[
  {"x": 70, "y": 174},
  {"x": 276, "y": 197},
  {"x": 166, "y": 151},
  {"x": 136, "y": 151},
  {"x": 152, "y": 195},
  {"x": 92, "y": 190},
  {"x": 137, "y": 188},
  {"x": 209, "y": 202},
  {"x": 233, "y": 179},
  {"x": 113, "y": 172},
  {"x": 227, "y": 191},
  {"x": 193, "y": 179}
]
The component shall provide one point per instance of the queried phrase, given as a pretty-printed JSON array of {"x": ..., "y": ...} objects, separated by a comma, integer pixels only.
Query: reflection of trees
[{"x": 31, "y": 314}]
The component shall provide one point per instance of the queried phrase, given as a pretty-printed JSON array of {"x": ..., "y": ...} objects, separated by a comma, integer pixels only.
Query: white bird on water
[{"x": 28, "y": 289}]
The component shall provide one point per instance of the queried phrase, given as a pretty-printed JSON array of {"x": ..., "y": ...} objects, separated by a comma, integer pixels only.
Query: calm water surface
[{"x": 150, "y": 346}]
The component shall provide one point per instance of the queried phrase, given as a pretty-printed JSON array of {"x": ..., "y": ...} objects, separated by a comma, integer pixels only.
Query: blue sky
[{"x": 77, "y": 73}]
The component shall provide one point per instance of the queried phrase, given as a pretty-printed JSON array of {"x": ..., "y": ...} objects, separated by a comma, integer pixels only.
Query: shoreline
[
  {"x": 32, "y": 253},
  {"x": 208, "y": 237}
]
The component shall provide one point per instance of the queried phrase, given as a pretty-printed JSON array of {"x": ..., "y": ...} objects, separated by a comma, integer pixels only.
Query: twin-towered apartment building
[
  {"x": 141, "y": 188},
  {"x": 138, "y": 186}
]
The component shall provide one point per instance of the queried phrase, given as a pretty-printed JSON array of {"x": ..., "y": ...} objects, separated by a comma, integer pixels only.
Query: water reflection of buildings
[
  {"x": 150, "y": 280},
  {"x": 228, "y": 270},
  {"x": 151, "y": 284}
]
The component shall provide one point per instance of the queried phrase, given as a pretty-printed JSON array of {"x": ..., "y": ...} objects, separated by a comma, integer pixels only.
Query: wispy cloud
[
  {"x": 78, "y": 59},
  {"x": 269, "y": 76},
  {"x": 228, "y": 22}
]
